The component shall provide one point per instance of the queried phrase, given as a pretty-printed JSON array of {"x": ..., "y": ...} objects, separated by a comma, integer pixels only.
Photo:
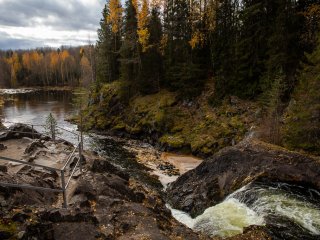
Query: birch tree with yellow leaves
[{"x": 143, "y": 21}]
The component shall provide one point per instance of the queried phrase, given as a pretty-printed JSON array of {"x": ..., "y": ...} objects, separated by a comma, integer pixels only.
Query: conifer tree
[
  {"x": 302, "y": 122},
  {"x": 251, "y": 49},
  {"x": 130, "y": 55},
  {"x": 103, "y": 49},
  {"x": 181, "y": 72},
  {"x": 151, "y": 60},
  {"x": 116, "y": 22}
]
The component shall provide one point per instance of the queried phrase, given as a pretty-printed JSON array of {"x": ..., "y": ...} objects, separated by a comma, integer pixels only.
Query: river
[{"x": 290, "y": 212}]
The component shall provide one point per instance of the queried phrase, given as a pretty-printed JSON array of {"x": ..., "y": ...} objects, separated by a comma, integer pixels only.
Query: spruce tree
[
  {"x": 103, "y": 49},
  {"x": 114, "y": 19},
  {"x": 182, "y": 73},
  {"x": 302, "y": 122},
  {"x": 251, "y": 49},
  {"x": 130, "y": 53},
  {"x": 223, "y": 45},
  {"x": 151, "y": 60}
]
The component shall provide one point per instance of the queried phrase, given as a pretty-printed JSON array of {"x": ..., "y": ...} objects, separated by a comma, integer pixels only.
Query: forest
[
  {"x": 244, "y": 45},
  {"x": 263, "y": 51},
  {"x": 65, "y": 66}
]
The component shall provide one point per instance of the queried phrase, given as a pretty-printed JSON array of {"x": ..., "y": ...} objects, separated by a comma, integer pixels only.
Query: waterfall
[{"x": 277, "y": 204}]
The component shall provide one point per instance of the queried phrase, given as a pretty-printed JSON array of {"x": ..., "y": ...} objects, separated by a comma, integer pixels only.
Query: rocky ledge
[
  {"x": 236, "y": 166},
  {"x": 104, "y": 202}
]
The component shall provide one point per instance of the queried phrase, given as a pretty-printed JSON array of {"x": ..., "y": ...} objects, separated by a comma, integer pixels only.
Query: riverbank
[{"x": 170, "y": 123}]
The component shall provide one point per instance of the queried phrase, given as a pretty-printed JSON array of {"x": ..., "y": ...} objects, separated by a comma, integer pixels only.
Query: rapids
[{"x": 289, "y": 211}]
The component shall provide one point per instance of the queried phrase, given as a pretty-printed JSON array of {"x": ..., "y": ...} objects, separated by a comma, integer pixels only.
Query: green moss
[
  {"x": 133, "y": 130},
  {"x": 8, "y": 226},
  {"x": 199, "y": 127},
  {"x": 119, "y": 126},
  {"x": 173, "y": 141}
]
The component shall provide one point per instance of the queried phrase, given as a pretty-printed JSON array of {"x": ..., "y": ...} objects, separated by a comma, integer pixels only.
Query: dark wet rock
[
  {"x": 287, "y": 229},
  {"x": 102, "y": 166},
  {"x": 39, "y": 231},
  {"x": 5, "y": 235},
  {"x": 2, "y": 147},
  {"x": 3, "y": 168},
  {"x": 19, "y": 131},
  {"x": 23, "y": 196},
  {"x": 236, "y": 166},
  {"x": 67, "y": 215},
  {"x": 34, "y": 146},
  {"x": 169, "y": 169},
  {"x": 253, "y": 233},
  {"x": 20, "y": 217},
  {"x": 75, "y": 231}
]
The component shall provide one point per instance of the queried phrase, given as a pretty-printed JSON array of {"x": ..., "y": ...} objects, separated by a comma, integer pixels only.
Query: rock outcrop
[
  {"x": 234, "y": 167},
  {"x": 104, "y": 203}
]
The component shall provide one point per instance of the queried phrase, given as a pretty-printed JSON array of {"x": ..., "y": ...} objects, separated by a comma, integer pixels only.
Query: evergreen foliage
[
  {"x": 180, "y": 44},
  {"x": 130, "y": 52},
  {"x": 302, "y": 128}
]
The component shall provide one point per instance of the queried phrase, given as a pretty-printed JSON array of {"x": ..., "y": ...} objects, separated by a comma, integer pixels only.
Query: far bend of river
[{"x": 33, "y": 107}]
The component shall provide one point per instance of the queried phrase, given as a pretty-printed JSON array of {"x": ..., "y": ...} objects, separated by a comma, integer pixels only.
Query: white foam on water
[
  {"x": 227, "y": 219},
  {"x": 16, "y": 91},
  {"x": 301, "y": 212},
  {"x": 230, "y": 217}
]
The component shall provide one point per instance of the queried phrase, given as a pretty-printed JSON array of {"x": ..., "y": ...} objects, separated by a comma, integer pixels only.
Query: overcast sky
[{"x": 37, "y": 23}]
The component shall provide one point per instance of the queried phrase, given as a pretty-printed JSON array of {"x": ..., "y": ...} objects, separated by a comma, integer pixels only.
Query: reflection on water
[{"x": 34, "y": 107}]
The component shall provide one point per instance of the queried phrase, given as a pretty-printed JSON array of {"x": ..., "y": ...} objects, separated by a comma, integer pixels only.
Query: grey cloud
[
  {"x": 58, "y": 15},
  {"x": 67, "y": 15},
  {"x": 7, "y": 42},
  {"x": 14, "y": 43}
]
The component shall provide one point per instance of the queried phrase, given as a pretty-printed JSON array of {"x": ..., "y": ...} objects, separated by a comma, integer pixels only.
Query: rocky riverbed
[{"x": 119, "y": 196}]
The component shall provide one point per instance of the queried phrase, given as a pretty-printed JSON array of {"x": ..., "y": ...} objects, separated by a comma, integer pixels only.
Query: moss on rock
[{"x": 195, "y": 125}]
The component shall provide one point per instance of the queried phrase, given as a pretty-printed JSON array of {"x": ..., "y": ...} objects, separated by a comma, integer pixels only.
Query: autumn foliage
[{"x": 43, "y": 67}]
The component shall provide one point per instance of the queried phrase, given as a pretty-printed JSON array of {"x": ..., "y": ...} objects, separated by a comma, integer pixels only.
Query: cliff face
[{"x": 234, "y": 167}]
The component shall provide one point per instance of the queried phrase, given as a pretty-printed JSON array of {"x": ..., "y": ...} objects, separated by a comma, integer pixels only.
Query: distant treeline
[{"x": 46, "y": 67}]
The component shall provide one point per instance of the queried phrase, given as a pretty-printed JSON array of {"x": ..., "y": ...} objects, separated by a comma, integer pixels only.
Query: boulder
[
  {"x": 34, "y": 146},
  {"x": 3, "y": 147},
  {"x": 236, "y": 166},
  {"x": 102, "y": 166},
  {"x": 19, "y": 131}
]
